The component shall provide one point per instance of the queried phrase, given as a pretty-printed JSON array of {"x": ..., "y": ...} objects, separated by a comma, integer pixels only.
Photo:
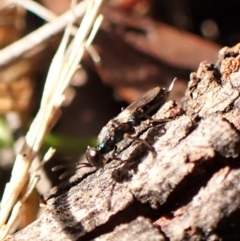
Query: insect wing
[
  {"x": 139, "y": 103},
  {"x": 149, "y": 103}
]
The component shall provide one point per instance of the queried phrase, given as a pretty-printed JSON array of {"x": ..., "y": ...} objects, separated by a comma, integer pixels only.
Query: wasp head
[{"x": 95, "y": 157}]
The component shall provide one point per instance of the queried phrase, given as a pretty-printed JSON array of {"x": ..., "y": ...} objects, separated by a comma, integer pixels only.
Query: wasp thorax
[{"x": 134, "y": 120}]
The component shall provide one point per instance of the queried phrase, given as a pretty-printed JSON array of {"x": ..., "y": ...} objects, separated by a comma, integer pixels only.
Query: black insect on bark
[{"x": 189, "y": 191}]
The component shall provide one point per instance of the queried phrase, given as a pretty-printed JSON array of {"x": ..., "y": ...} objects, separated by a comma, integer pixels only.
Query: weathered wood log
[{"x": 188, "y": 190}]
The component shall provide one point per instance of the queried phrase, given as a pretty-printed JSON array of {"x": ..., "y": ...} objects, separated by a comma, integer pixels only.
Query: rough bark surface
[{"x": 188, "y": 189}]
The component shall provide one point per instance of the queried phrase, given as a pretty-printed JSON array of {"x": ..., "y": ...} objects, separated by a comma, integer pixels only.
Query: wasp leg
[
  {"x": 74, "y": 166},
  {"x": 151, "y": 120},
  {"x": 151, "y": 148},
  {"x": 114, "y": 155},
  {"x": 158, "y": 122}
]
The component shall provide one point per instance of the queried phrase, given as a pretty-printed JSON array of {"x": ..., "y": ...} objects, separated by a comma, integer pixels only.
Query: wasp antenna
[
  {"x": 67, "y": 165},
  {"x": 172, "y": 84},
  {"x": 59, "y": 167},
  {"x": 83, "y": 164},
  {"x": 77, "y": 166},
  {"x": 65, "y": 174}
]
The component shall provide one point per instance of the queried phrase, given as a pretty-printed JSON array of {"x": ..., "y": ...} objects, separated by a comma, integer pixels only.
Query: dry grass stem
[
  {"x": 40, "y": 11},
  {"x": 40, "y": 35},
  {"x": 12, "y": 222},
  {"x": 61, "y": 71},
  {"x": 37, "y": 9},
  {"x": 49, "y": 16}
]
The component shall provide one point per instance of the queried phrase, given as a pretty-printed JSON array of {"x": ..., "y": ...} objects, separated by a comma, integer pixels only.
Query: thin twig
[
  {"x": 37, "y": 9},
  {"x": 40, "y": 35}
]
